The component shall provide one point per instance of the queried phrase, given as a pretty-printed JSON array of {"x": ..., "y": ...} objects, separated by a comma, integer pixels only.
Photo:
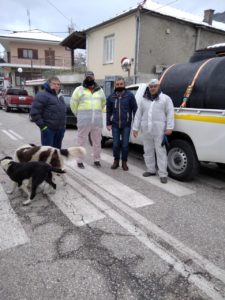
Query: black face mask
[
  {"x": 88, "y": 82},
  {"x": 120, "y": 89}
]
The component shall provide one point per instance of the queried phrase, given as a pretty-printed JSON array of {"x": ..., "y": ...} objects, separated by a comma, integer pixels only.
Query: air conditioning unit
[{"x": 160, "y": 68}]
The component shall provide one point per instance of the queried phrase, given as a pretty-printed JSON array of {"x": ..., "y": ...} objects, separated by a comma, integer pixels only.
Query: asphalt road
[{"x": 110, "y": 234}]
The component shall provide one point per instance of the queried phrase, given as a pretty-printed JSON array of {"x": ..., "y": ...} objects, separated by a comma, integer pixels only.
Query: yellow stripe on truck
[{"x": 209, "y": 119}]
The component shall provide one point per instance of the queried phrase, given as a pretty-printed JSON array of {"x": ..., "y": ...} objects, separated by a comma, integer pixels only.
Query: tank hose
[{"x": 190, "y": 87}]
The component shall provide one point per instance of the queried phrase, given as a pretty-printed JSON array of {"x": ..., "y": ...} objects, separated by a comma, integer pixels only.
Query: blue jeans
[
  {"x": 120, "y": 145},
  {"x": 50, "y": 137}
]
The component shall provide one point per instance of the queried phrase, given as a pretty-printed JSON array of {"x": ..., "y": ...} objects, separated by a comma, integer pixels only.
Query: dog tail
[
  {"x": 57, "y": 170},
  {"x": 73, "y": 152}
]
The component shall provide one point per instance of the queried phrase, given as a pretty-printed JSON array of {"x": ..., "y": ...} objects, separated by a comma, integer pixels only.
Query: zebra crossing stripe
[
  {"x": 172, "y": 187},
  {"x": 74, "y": 205},
  {"x": 12, "y": 134},
  {"x": 12, "y": 233},
  {"x": 16, "y": 134},
  {"x": 12, "y": 137},
  {"x": 129, "y": 196},
  {"x": 163, "y": 252}
]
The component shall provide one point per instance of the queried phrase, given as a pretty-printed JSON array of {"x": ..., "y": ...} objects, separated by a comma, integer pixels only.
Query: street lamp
[{"x": 20, "y": 70}]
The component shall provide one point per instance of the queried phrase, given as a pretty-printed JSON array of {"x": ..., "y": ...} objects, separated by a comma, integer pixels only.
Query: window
[
  {"x": 27, "y": 53},
  {"x": 109, "y": 42},
  {"x": 133, "y": 90},
  {"x": 49, "y": 57},
  {"x": 16, "y": 92}
]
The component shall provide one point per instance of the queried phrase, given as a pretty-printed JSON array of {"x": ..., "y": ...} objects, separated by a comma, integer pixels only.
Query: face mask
[
  {"x": 89, "y": 82},
  {"x": 120, "y": 89}
]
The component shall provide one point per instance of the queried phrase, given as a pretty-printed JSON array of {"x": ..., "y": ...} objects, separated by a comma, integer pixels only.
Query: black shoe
[
  {"x": 80, "y": 165},
  {"x": 147, "y": 174},
  {"x": 97, "y": 164},
  {"x": 163, "y": 179}
]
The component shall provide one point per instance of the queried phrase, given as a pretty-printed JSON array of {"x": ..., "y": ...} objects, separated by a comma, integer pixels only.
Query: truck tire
[{"x": 183, "y": 164}]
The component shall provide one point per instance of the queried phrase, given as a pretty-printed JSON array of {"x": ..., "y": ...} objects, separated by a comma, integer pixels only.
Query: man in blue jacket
[
  {"x": 48, "y": 111},
  {"x": 121, "y": 107}
]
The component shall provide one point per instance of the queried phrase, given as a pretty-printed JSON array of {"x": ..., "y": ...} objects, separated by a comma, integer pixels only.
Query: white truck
[{"x": 198, "y": 136}]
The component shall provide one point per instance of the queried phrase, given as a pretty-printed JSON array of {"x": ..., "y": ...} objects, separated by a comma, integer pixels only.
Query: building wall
[
  {"x": 62, "y": 56},
  {"x": 164, "y": 41},
  {"x": 125, "y": 34},
  {"x": 210, "y": 38}
]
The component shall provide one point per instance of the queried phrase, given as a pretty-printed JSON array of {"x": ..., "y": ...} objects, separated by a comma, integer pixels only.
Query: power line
[
  {"x": 168, "y": 3},
  {"x": 72, "y": 25},
  {"x": 16, "y": 31},
  {"x": 58, "y": 10}
]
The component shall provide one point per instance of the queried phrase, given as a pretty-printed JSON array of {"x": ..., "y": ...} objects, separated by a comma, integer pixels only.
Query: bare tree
[{"x": 80, "y": 60}]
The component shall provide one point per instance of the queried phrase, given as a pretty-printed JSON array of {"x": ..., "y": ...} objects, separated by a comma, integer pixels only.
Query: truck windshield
[
  {"x": 17, "y": 92},
  {"x": 133, "y": 90}
]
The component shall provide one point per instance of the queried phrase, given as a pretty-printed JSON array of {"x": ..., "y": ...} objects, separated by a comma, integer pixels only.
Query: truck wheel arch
[{"x": 183, "y": 162}]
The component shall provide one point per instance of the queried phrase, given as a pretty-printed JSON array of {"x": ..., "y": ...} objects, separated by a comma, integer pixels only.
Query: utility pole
[{"x": 71, "y": 30}]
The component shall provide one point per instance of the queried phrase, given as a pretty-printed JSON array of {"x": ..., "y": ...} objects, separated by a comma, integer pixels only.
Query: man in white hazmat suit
[{"x": 155, "y": 118}]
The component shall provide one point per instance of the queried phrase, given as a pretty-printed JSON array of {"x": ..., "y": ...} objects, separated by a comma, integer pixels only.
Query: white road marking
[
  {"x": 171, "y": 187},
  {"x": 9, "y": 135},
  {"x": 114, "y": 187},
  {"x": 75, "y": 206},
  {"x": 16, "y": 134},
  {"x": 12, "y": 233},
  {"x": 153, "y": 228},
  {"x": 186, "y": 271}
]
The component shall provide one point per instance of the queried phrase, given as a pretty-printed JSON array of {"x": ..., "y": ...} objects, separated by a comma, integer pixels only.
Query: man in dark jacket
[
  {"x": 48, "y": 111},
  {"x": 121, "y": 107}
]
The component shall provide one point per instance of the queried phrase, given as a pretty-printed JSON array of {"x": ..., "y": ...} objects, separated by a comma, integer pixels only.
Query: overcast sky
[{"x": 56, "y": 15}]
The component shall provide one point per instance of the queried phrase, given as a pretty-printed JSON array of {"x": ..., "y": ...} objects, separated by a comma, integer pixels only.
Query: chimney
[{"x": 208, "y": 16}]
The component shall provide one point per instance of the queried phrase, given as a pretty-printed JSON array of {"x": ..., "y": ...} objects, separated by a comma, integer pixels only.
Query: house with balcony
[
  {"x": 32, "y": 54},
  {"x": 142, "y": 42}
]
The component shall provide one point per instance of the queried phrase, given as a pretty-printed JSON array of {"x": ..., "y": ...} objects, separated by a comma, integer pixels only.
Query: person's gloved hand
[{"x": 165, "y": 141}]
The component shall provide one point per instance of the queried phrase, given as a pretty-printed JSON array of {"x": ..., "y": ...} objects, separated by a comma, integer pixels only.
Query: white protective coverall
[{"x": 153, "y": 118}]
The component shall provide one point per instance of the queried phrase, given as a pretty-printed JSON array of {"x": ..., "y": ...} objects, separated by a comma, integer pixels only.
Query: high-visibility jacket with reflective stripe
[{"x": 88, "y": 106}]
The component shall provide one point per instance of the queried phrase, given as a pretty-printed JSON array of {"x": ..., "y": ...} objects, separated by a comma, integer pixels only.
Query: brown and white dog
[{"x": 53, "y": 156}]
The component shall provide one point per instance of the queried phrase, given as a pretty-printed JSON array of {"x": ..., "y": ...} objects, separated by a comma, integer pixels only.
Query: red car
[{"x": 14, "y": 98}]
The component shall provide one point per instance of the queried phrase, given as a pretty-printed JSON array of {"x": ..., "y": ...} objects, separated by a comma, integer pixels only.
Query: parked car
[
  {"x": 14, "y": 98},
  {"x": 71, "y": 120}
]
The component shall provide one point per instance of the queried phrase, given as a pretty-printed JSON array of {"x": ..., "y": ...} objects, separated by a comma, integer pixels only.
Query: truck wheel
[
  {"x": 103, "y": 141},
  {"x": 182, "y": 160}
]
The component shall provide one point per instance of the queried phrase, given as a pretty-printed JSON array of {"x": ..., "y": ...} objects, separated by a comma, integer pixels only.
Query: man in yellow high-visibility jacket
[{"x": 87, "y": 103}]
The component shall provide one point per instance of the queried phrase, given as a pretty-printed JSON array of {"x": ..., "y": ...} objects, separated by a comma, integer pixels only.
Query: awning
[{"x": 76, "y": 40}]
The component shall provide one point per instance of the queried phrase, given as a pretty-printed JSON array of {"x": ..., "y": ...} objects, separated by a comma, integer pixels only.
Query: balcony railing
[{"x": 62, "y": 62}]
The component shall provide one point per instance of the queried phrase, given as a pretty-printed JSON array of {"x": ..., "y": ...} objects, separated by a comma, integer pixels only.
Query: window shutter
[
  {"x": 20, "y": 52},
  {"x": 35, "y": 54}
]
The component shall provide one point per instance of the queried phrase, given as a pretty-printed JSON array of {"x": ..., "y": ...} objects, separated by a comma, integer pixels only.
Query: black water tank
[
  {"x": 207, "y": 53},
  {"x": 209, "y": 88}
]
